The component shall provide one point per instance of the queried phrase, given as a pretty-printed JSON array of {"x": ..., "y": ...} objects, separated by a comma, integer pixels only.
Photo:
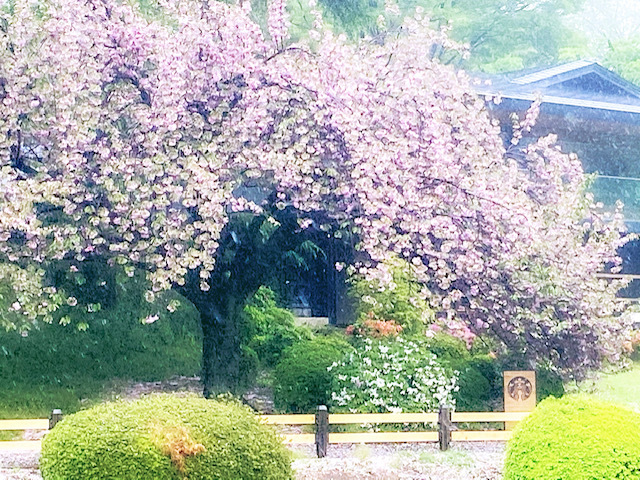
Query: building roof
[
  {"x": 595, "y": 112},
  {"x": 578, "y": 84}
]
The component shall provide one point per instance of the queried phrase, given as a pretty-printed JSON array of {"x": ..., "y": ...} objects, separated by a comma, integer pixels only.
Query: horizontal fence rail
[
  {"x": 445, "y": 420},
  {"x": 38, "y": 424},
  {"x": 289, "y": 419},
  {"x": 30, "y": 424},
  {"x": 350, "y": 418},
  {"x": 479, "y": 417}
]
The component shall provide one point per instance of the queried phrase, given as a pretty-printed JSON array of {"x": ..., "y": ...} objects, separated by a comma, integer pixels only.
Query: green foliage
[
  {"x": 59, "y": 366},
  {"x": 474, "y": 392},
  {"x": 623, "y": 56},
  {"x": 548, "y": 384},
  {"x": 448, "y": 348},
  {"x": 272, "y": 329},
  {"x": 248, "y": 366},
  {"x": 355, "y": 17},
  {"x": 301, "y": 379},
  {"x": 401, "y": 300},
  {"x": 115, "y": 345},
  {"x": 480, "y": 384},
  {"x": 165, "y": 437},
  {"x": 501, "y": 35},
  {"x": 391, "y": 375},
  {"x": 575, "y": 438},
  {"x": 505, "y": 34},
  {"x": 507, "y": 63},
  {"x": 479, "y": 378}
]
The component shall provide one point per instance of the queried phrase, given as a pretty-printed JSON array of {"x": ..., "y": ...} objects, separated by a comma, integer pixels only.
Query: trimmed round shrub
[
  {"x": 575, "y": 438},
  {"x": 448, "y": 348},
  {"x": 270, "y": 346},
  {"x": 164, "y": 437},
  {"x": 474, "y": 391},
  {"x": 301, "y": 379}
]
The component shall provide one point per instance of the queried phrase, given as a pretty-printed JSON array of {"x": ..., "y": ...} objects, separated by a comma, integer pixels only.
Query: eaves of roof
[{"x": 573, "y": 102}]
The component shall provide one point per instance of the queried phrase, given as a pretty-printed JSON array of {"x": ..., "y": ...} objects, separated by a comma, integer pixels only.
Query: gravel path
[
  {"x": 465, "y": 461},
  {"x": 19, "y": 465}
]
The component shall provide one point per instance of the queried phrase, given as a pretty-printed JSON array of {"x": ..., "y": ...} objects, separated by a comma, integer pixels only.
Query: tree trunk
[
  {"x": 249, "y": 260},
  {"x": 220, "y": 347},
  {"x": 220, "y": 315}
]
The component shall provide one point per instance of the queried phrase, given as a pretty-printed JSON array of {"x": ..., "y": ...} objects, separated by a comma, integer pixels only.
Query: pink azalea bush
[{"x": 375, "y": 327}]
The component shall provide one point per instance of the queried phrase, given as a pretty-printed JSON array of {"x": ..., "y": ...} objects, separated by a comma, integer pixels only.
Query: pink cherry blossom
[{"x": 139, "y": 134}]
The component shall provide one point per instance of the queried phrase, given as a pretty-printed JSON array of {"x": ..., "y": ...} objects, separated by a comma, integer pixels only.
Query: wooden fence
[
  {"x": 445, "y": 420},
  {"x": 38, "y": 424},
  {"x": 322, "y": 420}
]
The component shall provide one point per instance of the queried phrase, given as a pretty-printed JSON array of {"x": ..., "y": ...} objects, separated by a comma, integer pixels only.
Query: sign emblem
[{"x": 520, "y": 388}]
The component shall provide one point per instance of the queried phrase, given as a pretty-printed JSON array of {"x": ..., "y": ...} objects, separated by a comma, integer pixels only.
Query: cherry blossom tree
[{"x": 146, "y": 140}]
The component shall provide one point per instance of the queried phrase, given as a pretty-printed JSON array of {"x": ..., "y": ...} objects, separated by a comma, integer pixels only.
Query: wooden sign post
[{"x": 519, "y": 393}]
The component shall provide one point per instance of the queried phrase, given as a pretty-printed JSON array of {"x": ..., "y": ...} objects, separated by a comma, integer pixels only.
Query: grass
[
  {"x": 301, "y": 455},
  {"x": 362, "y": 452},
  {"x": 36, "y": 401},
  {"x": 622, "y": 387}
]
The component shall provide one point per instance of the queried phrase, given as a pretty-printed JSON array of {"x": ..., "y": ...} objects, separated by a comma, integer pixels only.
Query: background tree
[
  {"x": 169, "y": 142},
  {"x": 623, "y": 57},
  {"x": 501, "y": 36},
  {"x": 609, "y": 32}
]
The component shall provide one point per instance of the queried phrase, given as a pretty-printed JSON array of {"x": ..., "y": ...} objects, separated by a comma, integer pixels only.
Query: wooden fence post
[
  {"x": 322, "y": 431},
  {"x": 444, "y": 427},
  {"x": 56, "y": 416}
]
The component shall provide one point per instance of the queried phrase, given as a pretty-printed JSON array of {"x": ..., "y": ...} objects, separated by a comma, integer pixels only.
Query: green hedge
[
  {"x": 164, "y": 437},
  {"x": 480, "y": 384},
  {"x": 301, "y": 379},
  {"x": 479, "y": 375},
  {"x": 115, "y": 345},
  {"x": 575, "y": 438},
  {"x": 270, "y": 328}
]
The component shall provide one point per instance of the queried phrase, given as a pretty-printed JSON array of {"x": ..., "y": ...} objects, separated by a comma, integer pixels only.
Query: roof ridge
[{"x": 552, "y": 71}]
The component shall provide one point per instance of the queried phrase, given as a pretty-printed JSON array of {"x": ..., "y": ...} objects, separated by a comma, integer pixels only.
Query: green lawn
[{"x": 621, "y": 387}]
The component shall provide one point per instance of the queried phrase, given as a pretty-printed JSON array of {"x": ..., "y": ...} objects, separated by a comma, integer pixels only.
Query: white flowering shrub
[{"x": 392, "y": 375}]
